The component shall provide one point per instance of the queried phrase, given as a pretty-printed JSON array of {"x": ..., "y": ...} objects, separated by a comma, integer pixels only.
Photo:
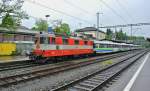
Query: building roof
[
  {"x": 18, "y": 31},
  {"x": 86, "y": 29},
  {"x": 23, "y": 27}
]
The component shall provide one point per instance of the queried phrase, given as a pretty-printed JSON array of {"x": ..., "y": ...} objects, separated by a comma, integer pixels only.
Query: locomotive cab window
[
  {"x": 43, "y": 40},
  {"x": 36, "y": 39}
]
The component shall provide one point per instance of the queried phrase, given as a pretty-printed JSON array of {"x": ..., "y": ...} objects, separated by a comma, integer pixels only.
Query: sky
[{"x": 82, "y": 13}]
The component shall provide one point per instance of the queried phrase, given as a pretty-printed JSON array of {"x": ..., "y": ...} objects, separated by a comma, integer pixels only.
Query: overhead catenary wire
[
  {"x": 113, "y": 11},
  {"x": 125, "y": 9},
  {"x": 39, "y": 18},
  {"x": 58, "y": 11},
  {"x": 75, "y": 6}
]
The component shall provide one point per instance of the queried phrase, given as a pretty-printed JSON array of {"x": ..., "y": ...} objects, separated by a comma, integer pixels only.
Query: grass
[{"x": 107, "y": 62}]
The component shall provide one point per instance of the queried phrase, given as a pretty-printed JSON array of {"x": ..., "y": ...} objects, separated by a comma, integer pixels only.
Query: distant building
[
  {"x": 91, "y": 32},
  {"x": 16, "y": 42}
]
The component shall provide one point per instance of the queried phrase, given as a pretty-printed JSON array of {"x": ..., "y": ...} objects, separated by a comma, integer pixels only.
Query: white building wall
[{"x": 94, "y": 34}]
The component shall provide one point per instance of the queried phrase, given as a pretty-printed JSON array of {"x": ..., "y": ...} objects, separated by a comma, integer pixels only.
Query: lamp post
[
  {"x": 98, "y": 22},
  {"x": 47, "y": 16}
]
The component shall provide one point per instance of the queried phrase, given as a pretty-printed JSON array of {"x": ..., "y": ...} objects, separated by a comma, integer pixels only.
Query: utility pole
[
  {"x": 80, "y": 25},
  {"x": 131, "y": 33},
  {"x": 115, "y": 33},
  {"x": 47, "y": 16},
  {"x": 98, "y": 22}
]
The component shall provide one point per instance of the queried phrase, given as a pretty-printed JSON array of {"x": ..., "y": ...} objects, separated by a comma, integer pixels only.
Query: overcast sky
[{"x": 83, "y": 13}]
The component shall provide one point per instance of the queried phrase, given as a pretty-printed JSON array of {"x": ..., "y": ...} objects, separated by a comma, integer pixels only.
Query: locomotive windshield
[
  {"x": 36, "y": 40},
  {"x": 44, "y": 40}
]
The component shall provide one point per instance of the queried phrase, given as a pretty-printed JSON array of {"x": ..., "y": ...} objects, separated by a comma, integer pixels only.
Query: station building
[
  {"x": 91, "y": 32},
  {"x": 13, "y": 42}
]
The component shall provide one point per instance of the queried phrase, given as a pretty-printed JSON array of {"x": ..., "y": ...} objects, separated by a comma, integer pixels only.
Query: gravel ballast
[{"x": 52, "y": 81}]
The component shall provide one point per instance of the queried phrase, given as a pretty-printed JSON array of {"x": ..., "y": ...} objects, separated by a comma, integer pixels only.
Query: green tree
[
  {"x": 57, "y": 30},
  {"x": 41, "y": 25},
  {"x": 8, "y": 22},
  {"x": 121, "y": 35},
  {"x": 109, "y": 34},
  {"x": 63, "y": 29},
  {"x": 10, "y": 11},
  {"x": 125, "y": 37}
]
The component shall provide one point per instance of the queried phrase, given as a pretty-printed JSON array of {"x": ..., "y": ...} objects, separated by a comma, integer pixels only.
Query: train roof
[
  {"x": 113, "y": 43},
  {"x": 104, "y": 42}
]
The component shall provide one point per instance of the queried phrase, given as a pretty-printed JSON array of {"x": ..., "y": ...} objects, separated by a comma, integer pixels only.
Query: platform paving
[
  {"x": 5, "y": 59},
  {"x": 142, "y": 82}
]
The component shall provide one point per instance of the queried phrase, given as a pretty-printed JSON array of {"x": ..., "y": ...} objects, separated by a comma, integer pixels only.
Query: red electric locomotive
[{"x": 51, "y": 47}]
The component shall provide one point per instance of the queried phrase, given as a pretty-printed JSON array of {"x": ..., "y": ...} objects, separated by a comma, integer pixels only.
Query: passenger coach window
[
  {"x": 101, "y": 45},
  {"x": 97, "y": 45},
  {"x": 104, "y": 45},
  {"x": 76, "y": 42}
]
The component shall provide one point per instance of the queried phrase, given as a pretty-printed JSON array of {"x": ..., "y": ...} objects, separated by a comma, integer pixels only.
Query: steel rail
[
  {"x": 97, "y": 79},
  {"x": 6, "y": 81}
]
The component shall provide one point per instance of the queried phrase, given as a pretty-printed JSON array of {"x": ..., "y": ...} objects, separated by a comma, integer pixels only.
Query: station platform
[
  {"x": 7, "y": 59},
  {"x": 141, "y": 79}
]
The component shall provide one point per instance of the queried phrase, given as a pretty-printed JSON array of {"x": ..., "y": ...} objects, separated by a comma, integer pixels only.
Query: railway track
[
  {"x": 25, "y": 64},
  {"x": 6, "y": 81},
  {"x": 98, "y": 79}
]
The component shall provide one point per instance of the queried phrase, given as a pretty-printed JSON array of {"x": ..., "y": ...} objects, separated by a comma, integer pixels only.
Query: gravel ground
[
  {"x": 34, "y": 68},
  {"x": 30, "y": 69},
  {"x": 49, "y": 82}
]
